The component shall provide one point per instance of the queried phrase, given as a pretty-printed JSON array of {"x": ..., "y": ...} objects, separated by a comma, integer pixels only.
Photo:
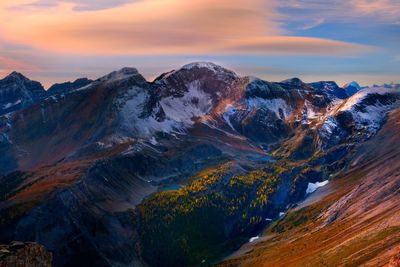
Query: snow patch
[
  {"x": 131, "y": 112},
  {"x": 311, "y": 114},
  {"x": 253, "y": 239},
  {"x": 9, "y": 105},
  {"x": 274, "y": 105},
  {"x": 194, "y": 103},
  {"x": 180, "y": 112},
  {"x": 229, "y": 111},
  {"x": 314, "y": 186},
  {"x": 328, "y": 126},
  {"x": 153, "y": 141},
  {"x": 357, "y": 98}
]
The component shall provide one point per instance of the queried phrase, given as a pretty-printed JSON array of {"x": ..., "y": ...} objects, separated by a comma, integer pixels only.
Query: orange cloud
[
  {"x": 161, "y": 27},
  {"x": 298, "y": 45},
  {"x": 388, "y": 9}
]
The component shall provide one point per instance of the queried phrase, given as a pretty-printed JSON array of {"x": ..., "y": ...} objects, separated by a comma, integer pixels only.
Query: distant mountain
[
  {"x": 332, "y": 88},
  {"x": 62, "y": 88},
  {"x": 17, "y": 91},
  {"x": 179, "y": 171},
  {"x": 351, "y": 88},
  {"x": 388, "y": 85}
]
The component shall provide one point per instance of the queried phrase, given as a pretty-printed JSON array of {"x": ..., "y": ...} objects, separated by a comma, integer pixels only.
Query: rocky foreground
[{"x": 24, "y": 254}]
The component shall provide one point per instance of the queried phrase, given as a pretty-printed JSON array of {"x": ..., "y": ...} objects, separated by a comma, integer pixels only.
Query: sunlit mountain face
[{"x": 224, "y": 134}]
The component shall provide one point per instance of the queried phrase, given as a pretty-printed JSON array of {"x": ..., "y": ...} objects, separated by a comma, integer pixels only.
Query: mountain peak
[
  {"x": 331, "y": 88},
  {"x": 60, "y": 88},
  {"x": 351, "y": 88},
  {"x": 207, "y": 65},
  {"x": 201, "y": 64},
  {"x": 352, "y": 84},
  {"x": 293, "y": 81},
  {"x": 128, "y": 70},
  {"x": 16, "y": 75},
  {"x": 122, "y": 74}
]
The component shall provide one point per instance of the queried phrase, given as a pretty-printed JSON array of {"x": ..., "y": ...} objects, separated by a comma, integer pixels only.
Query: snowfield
[{"x": 312, "y": 187}]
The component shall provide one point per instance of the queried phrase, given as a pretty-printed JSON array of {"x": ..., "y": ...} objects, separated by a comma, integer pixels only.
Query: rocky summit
[{"x": 200, "y": 166}]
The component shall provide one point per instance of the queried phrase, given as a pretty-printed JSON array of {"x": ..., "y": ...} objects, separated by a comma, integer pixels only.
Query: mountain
[
  {"x": 351, "y": 88},
  {"x": 177, "y": 171},
  {"x": 332, "y": 88},
  {"x": 62, "y": 88},
  {"x": 17, "y": 91}
]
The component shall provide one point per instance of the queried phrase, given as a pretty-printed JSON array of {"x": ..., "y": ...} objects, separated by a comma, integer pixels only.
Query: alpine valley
[{"x": 201, "y": 167}]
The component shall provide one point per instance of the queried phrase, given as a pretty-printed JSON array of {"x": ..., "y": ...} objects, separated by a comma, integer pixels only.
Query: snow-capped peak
[
  {"x": 121, "y": 74},
  {"x": 207, "y": 65},
  {"x": 369, "y": 106},
  {"x": 358, "y": 97}
]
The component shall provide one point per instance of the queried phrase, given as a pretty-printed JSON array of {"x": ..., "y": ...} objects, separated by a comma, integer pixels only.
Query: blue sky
[{"x": 313, "y": 40}]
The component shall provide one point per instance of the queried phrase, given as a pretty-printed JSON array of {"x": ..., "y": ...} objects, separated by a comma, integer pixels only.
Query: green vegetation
[{"x": 184, "y": 226}]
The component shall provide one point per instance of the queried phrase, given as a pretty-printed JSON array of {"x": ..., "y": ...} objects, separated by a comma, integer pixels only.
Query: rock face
[
  {"x": 24, "y": 254},
  {"x": 17, "y": 91}
]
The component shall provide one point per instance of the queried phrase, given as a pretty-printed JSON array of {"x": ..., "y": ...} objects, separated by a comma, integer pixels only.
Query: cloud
[
  {"x": 314, "y": 23},
  {"x": 54, "y": 40},
  {"x": 378, "y": 11},
  {"x": 164, "y": 27},
  {"x": 78, "y": 5},
  {"x": 386, "y": 10},
  {"x": 15, "y": 57},
  {"x": 294, "y": 45}
]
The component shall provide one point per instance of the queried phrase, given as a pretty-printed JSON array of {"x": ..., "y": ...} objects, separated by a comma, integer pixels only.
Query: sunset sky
[{"x": 343, "y": 40}]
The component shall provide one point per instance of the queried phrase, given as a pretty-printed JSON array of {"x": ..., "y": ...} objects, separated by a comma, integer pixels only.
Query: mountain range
[{"x": 199, "y": 167}]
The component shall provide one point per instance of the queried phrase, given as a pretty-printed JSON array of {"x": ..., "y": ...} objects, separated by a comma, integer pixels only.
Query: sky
[{"x": 342, "y": 40}]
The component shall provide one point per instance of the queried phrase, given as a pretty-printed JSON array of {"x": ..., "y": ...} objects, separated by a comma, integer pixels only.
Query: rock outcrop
[{"x": 24, "y": 254}]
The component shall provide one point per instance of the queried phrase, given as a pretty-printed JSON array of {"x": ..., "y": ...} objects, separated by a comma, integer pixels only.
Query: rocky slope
[{"x": 186, "y": 167}]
